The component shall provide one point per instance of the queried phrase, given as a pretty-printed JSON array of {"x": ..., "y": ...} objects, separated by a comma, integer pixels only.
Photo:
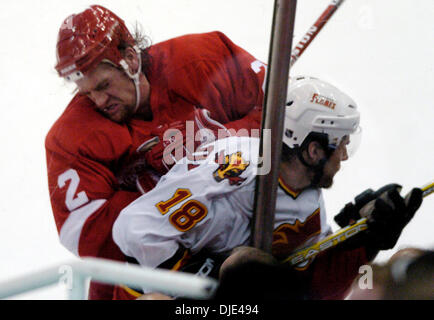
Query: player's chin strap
[{"x": 135, "y": 77}]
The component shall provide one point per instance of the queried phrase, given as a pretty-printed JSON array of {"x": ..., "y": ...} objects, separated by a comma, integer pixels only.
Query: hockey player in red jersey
[
  {"x": 207, "y": 205},
  {"x": 106, "y": 149}
]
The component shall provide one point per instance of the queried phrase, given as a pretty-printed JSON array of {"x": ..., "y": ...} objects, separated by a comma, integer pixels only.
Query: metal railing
[{"x": 76, "y": 273}]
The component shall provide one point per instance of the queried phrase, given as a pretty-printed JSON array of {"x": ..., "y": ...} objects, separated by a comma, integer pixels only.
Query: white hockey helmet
[{"x": 316, "y": 106}]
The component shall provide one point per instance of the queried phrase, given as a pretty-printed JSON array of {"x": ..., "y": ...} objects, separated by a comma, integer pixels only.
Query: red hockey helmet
[{"x": 87, "y": 38}]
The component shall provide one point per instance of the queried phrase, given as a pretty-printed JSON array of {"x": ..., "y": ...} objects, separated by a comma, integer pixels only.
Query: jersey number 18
[{"x": 188, "y": 215}]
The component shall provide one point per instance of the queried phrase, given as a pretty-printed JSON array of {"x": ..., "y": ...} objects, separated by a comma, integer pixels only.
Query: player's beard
[
  {"x": 322, "y": 179},
  {"x": 328, "y": 173},
  {"x": 326, "y": 181}
]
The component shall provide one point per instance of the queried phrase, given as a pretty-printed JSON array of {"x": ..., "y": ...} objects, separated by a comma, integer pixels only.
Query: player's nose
[
  {"x": 344, "y": 154},
  {"x": 99, "y": 98}
]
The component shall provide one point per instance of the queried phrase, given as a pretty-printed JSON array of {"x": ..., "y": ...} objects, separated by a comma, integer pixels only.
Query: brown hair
[{"x": 144, "y": 42}]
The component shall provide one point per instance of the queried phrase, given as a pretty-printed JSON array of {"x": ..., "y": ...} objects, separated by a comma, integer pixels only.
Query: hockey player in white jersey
[{"x": 206, "y": 204}]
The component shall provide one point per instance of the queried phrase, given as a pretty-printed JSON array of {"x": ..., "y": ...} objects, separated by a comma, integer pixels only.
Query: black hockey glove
[
  {"x": 388, "y": 216},
  {"x": 351, "y": 212}
]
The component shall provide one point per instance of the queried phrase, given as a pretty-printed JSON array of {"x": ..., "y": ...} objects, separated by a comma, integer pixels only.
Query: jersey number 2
[
  {"x": 73, "y": 200},
  {"x": 188, "y": 215}
]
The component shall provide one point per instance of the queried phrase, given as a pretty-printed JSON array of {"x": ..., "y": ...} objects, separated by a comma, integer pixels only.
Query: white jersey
[{"x": 208, "y": 204}]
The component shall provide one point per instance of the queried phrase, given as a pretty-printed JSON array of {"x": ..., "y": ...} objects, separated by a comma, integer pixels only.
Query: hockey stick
[
  {"x": 305, "y": 254},
  {"x": 314, "y": 30}
]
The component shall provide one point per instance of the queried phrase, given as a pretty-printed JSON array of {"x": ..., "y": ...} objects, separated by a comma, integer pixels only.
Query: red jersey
[
  {"x": 205, "y": 70},
  {"x": 84, "y": 149}
]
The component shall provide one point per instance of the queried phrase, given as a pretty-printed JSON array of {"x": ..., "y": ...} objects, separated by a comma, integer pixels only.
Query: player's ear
[
  {"x": 131, "y": 59},
  {"x": 315, "y": 152}
]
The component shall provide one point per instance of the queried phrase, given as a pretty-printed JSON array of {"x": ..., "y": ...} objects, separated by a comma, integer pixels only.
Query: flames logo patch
[
  {"x": 324, "y": 101},
  {"x": 230, "y": 167}
]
